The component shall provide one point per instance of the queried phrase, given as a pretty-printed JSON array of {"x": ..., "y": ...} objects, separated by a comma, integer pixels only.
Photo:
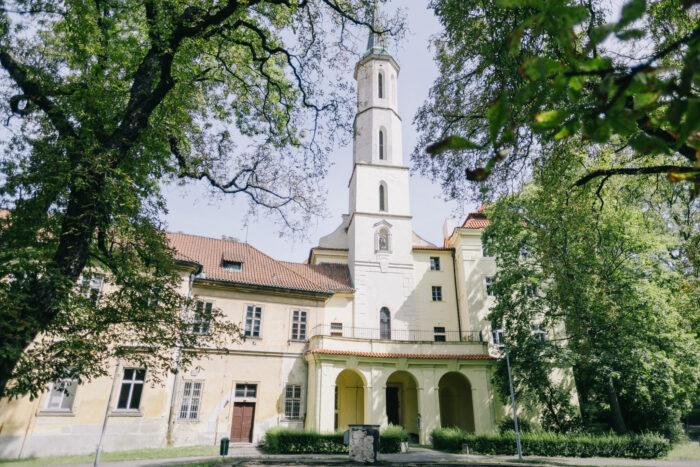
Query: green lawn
[
  {"x": 162, "y": 453},
  {"x": 685, "y": 451}
]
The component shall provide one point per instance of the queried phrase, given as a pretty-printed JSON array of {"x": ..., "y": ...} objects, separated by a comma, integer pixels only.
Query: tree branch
[{"x": 631, "y": 171}]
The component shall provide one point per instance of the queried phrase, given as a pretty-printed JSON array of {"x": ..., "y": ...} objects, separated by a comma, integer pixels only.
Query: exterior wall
[
  {"x": 365, "y": 186},
  {"x": 431, "y": 313}
]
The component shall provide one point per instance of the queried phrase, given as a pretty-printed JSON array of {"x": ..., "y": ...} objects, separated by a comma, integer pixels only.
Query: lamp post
[{"x": 515, "y": 411}]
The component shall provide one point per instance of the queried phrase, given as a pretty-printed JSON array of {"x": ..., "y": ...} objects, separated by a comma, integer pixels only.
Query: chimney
[{"x": 448, "y": 227}]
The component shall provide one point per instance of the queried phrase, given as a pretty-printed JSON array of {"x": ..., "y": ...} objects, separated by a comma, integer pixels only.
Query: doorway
[
  {"x": 242, "y": 425},
  {"x": 393, "y": 408}
]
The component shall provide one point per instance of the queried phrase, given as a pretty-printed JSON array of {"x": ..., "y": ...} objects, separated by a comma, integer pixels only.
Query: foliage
[
  {"x": 286, "y": 441},
  {"x": 644, "y": 446},
  {"x": 517, "y": 76},
  {"x": 508, "y": 424},
  {"x": 102, "y": 103},
  {"x": 599, "y": 271},
  {"x": 391, "y": 437}
]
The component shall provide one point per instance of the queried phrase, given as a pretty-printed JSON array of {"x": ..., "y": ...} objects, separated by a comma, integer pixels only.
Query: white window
[
  {"x": 337, "y": 329},
  {"x": 201, "y": 318},
  {"x": 91, "y": 287},
  {"x": 497, "y": 337},
  {"x": 298, "y": 325},
  {"x": 292, "y": 401},
  {"x": 249, "y": 391},
  {"x": 489, "y": 285},
  {"x": 539, "y": 333},
  {"x": 384, "y": 323},
  {"x": 61, "y": 395},
  {"x": 434, "y": 263},
  {"x": 191, "y": 399},
  {"x": 437, "y": 293},
  {"x": 131, "y": 389},
  {"x": 253, "y": 318},
  {"x": 439, "y": 334}
]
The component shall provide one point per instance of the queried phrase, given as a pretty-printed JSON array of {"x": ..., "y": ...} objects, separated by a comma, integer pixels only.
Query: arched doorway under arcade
[
  {"x": 349, "y": 399},
  {"x": 456, "y": 405},
  {"x": 402, "y": 401}
]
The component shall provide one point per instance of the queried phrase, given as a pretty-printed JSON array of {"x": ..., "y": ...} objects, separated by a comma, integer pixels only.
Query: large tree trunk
[{"x": 615, "y": 412}]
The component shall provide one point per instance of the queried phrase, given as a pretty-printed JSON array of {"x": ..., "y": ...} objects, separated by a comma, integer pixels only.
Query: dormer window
[{"x": 232, "y": 266}]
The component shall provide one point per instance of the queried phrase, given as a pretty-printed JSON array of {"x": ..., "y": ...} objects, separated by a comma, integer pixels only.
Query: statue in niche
[{"x": 383, "y": 240}]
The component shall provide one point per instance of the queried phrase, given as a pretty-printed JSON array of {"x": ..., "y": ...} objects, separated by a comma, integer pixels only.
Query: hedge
[
  {"x": 286, "y": 441},
  {"x": 644, "y": 446}
]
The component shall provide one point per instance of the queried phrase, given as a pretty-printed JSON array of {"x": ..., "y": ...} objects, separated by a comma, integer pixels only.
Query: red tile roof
[
  {"x": 257, "y": 269},
  {"x": 402, "y": 355},
  {"x": 477, "y": 219}
]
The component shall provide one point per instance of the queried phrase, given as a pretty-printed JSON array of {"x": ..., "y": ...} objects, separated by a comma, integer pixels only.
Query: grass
[
  {"x": 158, "y": 453},
  {"x": 684, "y": 451}
]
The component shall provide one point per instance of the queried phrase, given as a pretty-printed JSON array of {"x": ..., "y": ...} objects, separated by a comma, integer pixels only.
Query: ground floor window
[
  {"x": 61, "y": 395},
  {"x": 246, "y": 390},
  {"x": 292, "y": 401},
  {"x": 131, "y": 389},
  {"x": 191, "y": 398}
]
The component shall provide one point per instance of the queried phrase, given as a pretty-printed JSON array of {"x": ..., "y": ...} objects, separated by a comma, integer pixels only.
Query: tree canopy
[
  {"x": 518, "y": 77},
  {"x": 104, "y": 100}
]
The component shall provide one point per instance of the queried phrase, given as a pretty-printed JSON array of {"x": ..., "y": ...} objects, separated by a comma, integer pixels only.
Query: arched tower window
[
  {"x": 382, "y": 197},
  {"x": 383, "y": 240},
  {"x": 380, "y": 85},
  {"x": 381, "y": 145},
  {"x": 384, "y": 323}
]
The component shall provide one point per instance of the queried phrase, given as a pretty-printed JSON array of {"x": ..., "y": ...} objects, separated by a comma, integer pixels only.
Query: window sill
[
  {"x": 300, "y": 341},
  {"x": 126, "y": 413},
  {"x": 251, "y": 338},
  {"x": 56, "y": 413},
  {"x": 188, "y": 420}
]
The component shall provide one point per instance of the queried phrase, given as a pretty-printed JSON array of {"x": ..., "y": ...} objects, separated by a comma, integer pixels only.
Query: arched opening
[
  {"x": 402, "y": 401},
  {"x": 381, "y": 145},
  {"x": 382, "y": 197},
  {"x": 456, "y": 406},
  {"x": 384, "y": 323},
  {"x": 349, "y": 399},
  {"x": 380, "y": 85}
]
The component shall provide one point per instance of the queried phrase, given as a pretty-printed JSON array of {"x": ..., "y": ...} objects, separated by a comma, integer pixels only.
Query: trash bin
[{"x": 223, "y": 448}]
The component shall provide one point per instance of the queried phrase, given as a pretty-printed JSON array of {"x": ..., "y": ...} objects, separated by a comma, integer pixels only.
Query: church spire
[{"x": 376, "y": 43}]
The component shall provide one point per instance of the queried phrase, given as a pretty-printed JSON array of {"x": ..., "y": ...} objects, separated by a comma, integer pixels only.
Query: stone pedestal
[{"x": 363, "y": 443}]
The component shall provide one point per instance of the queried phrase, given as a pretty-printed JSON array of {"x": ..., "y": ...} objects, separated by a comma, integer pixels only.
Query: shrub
[
  {"x": 285, "y": 441},
  {"x": 645, "y": 446},
  {"x": 390, "y": 439},
  {"x": 507, "y": 424}
]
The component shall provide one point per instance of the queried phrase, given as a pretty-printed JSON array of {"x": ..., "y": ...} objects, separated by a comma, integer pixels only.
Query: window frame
[
  {"x": 539, "y": 333},
  {"x": 488, "y": 286},
  {"x": 196, "y": 322},
  {"x": 384, "y": 324},
  {"x": 132, "y": 384},
  {"x": 336, "y": 329},
  {"x": 252, "y": 325},
  {"x": 497, "y": 337},
  {"x": 188, "y": 417},
  {"x": 439, "y": 334},
  {"x": 72, "y": 391},
  {"x": 436, "y": 291},
  {"x": 435, "y": 265},
  {"x": 246, "y": 385},
  {"x": 382, "y": 145},
  {"x": 380, "y": 85},
  {"x": 304, "y": 323},
  {"x": 232, "y": 266},
  {"x": 294, "y": 398},
  {"x": 85, "y": 287}
]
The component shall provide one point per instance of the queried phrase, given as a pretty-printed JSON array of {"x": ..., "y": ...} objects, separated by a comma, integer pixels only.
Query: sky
[{"x": 194, "y": 210}]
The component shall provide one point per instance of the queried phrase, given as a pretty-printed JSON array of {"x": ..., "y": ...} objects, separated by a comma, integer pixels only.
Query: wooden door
[{"x": 242, "y": 425}]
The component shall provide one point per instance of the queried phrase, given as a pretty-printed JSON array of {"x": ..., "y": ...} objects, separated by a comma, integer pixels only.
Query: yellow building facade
[{"x": 378, "y": 326}]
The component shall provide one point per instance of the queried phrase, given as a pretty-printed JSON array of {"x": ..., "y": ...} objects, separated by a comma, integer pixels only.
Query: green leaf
[
  {"x": 598, "y": 35},
  {"x": 537, "y": 68},
  {"x": 451, "y": 143},
  {"x": 631, "y": 34},
  {"x": 549, "y": 119},
  {"x": 497, "y": 115},
  {"x": 631, "y": 12},
  {"x": 645, "y": 99}
]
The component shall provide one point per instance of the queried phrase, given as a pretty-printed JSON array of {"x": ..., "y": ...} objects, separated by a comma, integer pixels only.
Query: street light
[{"x": 512, "y": 399}]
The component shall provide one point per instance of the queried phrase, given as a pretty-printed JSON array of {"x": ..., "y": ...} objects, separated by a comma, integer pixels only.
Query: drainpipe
[
  {"x": 454, "y": 275},
  {"x": 306, "y": 389},
  {"x": 176, "y": 378}
]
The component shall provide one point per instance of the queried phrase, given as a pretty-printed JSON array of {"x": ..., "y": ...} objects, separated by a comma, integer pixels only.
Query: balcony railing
[{"x": 402, "y": 335}]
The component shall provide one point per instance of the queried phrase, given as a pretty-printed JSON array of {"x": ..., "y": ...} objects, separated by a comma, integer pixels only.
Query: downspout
[
  {"x": 306, "y": 389},
  {"x": 178, "y": 362},
  {"x": 454, "y": 275}
]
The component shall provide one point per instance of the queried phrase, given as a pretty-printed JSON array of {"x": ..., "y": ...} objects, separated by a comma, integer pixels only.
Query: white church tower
[{"x": 379, "y": 226}]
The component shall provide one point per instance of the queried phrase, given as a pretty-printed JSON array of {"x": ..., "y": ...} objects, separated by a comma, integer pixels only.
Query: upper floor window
[
  {"x": 337, "y": 329},
  {"x": 253, "y": 318},
  {"x": 380, "y": 85},
  {"x": 434, "y": 263},
  {"x": 298, "y": 325},
  {"x": 539, "y": 333},
  {"x": 381, "y": 145},
  {"x": 247, "y": 390},
  {"x": 201, "y": 317},
  {"x": 91, "y": 287},
  {"x": 131, "y": 389},
  {"x": 488, "y": 280},
  {"x": 384, "y": 323},
  {"x": 61, "y": 395},
  {"x": 382, "y": 197},
  {"x": 437, "y": 293},
  {"x": 191, "y": 398},
  {"x": 497, "y": 337},
  {"x": 487, "y": 248},
  {"x": 439, "y": 334},
  {"x": 292, "y": 401}
]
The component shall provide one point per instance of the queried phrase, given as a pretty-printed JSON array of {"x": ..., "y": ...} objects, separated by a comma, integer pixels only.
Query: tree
[
  {"x": 519, "y": 76},
  {"x": 103, "y": 101},
  {"x": 601, "y": 272}
]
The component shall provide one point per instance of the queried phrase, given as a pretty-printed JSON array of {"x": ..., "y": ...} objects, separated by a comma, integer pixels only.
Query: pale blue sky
[{"x": 193, "y": 209}]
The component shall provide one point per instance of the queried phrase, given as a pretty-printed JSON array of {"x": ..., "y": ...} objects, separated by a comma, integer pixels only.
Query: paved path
[{"x": 243, "y": 456}]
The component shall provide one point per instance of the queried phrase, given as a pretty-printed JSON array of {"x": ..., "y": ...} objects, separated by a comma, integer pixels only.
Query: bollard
[{"x": 223, "y": 448}]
